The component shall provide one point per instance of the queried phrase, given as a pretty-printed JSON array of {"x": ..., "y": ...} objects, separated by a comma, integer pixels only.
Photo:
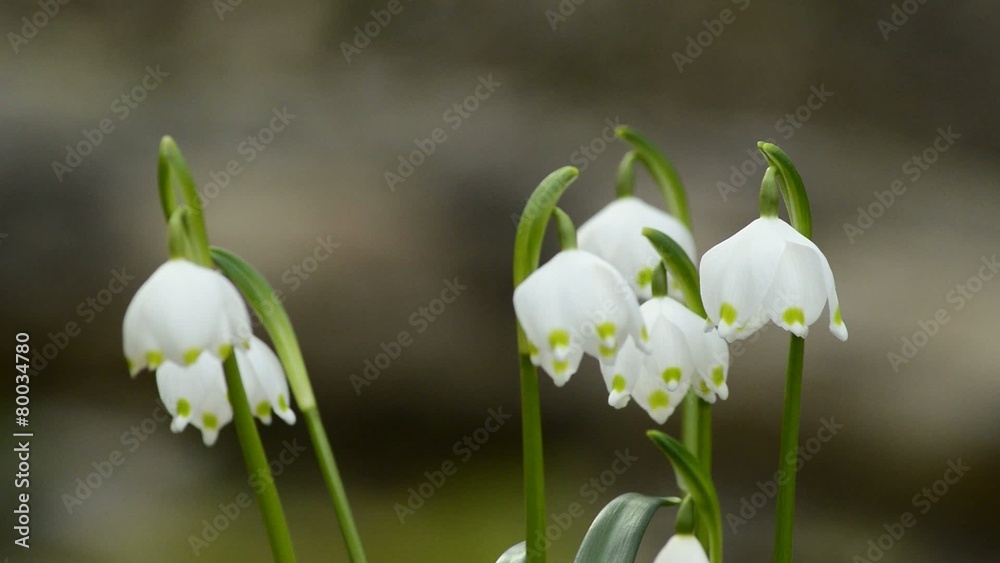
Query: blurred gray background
[{"x": 560, "y": 73}]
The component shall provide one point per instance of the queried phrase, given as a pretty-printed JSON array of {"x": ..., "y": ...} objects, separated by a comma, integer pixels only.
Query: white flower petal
[
  {"x": 196, "y": 394},
  {"x": 736, "y": 275},
  {"x": 667, "y": 371},
  {"x": 798, "y": 294},
  {"x": 182, "y": 310},
  {"x": 615, "y": 234},
  {"x": 265, "y": 382},
  {"x": 575, "y": 303},
  {"x": 682, "y": 548},
  {"x": 621, "y": 376},
  {"x": 709, "y": 351}
]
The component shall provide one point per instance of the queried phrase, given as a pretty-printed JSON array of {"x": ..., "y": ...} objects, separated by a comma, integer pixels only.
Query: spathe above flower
[
  {"x": 182, "y": 310},
  {"x": 768, "y": 271},
  {"x": 682, "y": 354},
  {"x": 682, "y": 548},
  {"x": 615, "y": 234},
  {"x": 576, "y": 303}
]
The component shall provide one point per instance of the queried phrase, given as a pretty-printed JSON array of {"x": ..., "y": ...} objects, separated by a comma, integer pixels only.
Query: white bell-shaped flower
[
  {"x": 681, "y": 355},
  {"x": 709, "y": 351},
  {"x": 768, "y": 271},
  {"x": 682, "y": 548},
  {"x": 615, "y": 234},
  {"x": 576, "y": 303},
  {"x": 196, "y": 394},
  {"x": 264, "y": 381},
  {"x": 182, "y": 310}
]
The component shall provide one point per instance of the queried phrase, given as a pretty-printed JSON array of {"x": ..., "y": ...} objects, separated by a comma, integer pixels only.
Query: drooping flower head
[
  {"x": 768, "y": 271},
  {"x": 615, "y": 234},
  {"x": 682, "y": 354},
  {"x": 576, "y": 303},
  {"x": 682, "y": 548},
  {"x": 182, "y": 310},
  {"x": 197, "y": 394}
]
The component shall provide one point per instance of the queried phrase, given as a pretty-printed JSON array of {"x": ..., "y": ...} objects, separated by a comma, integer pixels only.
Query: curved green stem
[
  {"x": 566, "y": 229},
  {"x": 625, "y": 180},
  {"x": 172, "y": 167},
  {"x": 788, "y": 463},
  {"x": 269, "y": 309},
  {"x": 527, "y": 253},
  {"x": 663, "y": 172},
  {"x": 331, "y": 476},
  {"x": 257, "y": 466},
  {"x": 793, "y": 191}
]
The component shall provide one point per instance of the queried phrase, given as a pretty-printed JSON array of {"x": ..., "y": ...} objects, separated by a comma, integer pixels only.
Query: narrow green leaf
[
  {"x": 793, "y": 191},
  {"x": 534, "y": 219},
  {"x": 516, "y": 554},
  {"x": 699, "y": 485},
  {"x": 680, "y": 267},
  {"x": 663, "y": 172},
  {"x": 617, "y": 532},
  {"x": 269, "y": 309}
]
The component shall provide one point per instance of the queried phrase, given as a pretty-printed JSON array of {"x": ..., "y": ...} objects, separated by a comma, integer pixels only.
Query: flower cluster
[
  {"x": 182, "y": 323},
  {"x": 587, "y": 301}
]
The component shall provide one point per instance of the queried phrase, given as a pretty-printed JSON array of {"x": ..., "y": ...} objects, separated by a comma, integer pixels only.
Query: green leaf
[
  {"x": 268, "y": 308},
  {"x": 617, "y": 532},
  {"x": 534, "y": 219},
  {"x": 699, "y": 486},
  {"x": 680, "y": 266},
  {"x": 516, "y": 554},
  {"x": 663, "y": 172},
  {"x": 793, "y": 191}
]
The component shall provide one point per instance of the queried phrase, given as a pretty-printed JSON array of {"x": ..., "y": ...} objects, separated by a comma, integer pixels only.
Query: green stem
[
  {"x": 257, "y": 466},
  {"x": 328, "y": 465},
  {"x": 788, "y": 463},
  {"x": 689, "y": 424},
  {"x": 663, "y": 172},
  {"x": 625, "y": 181},
  {"x": 566, "y": 229},
  {"x": 534, "y": 464},
  {"x": 704, "y": 409}
]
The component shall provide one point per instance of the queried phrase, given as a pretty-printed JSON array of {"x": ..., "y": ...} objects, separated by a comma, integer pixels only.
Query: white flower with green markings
[
  {"x": 682, "y": 354},
  {"x": 768, "y": 271},
  {"x": 682, "y": 548},
  {"x": 197, "y": 394},
  {"x": 182, "y": 310},
  {"x": 615, "y": 234},
  {"x": 576, "y": 303}
]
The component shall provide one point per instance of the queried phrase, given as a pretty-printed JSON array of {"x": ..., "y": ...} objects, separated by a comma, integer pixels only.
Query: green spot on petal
[
  {"x": 263, "y": 409},
  {"x": 659, "y": 399},
  {"x": 607, "y": 352},
  {"x": 671, "y": 375},
  {"x": 209, "y": 421},
  {"x": 837, "y": 319},
  {"x": 718, "y": 376},
  {"x": 191, "y": 356},
  {"x": 282, "y": 402},
  {"x": 704, "y": 388},
  {"x": 130, "y": 364},
  {"x": 794, "y": 315},
  {"x": 558, "y": 337},
  {"x": 606, "y": 330},
  {"x": 154, "y": 359},
  {"x": 618, "y": 383},
  {"x": 727, "y": 313},
  {"x": 645, "y": 277},
  {"x": 532, "y": 349},
  {"x": 225, "y": 350},
  {"x": 183, "y": 408},
  {"x": 560, "y": 365},
  {"x": 645, "y": 334}
]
